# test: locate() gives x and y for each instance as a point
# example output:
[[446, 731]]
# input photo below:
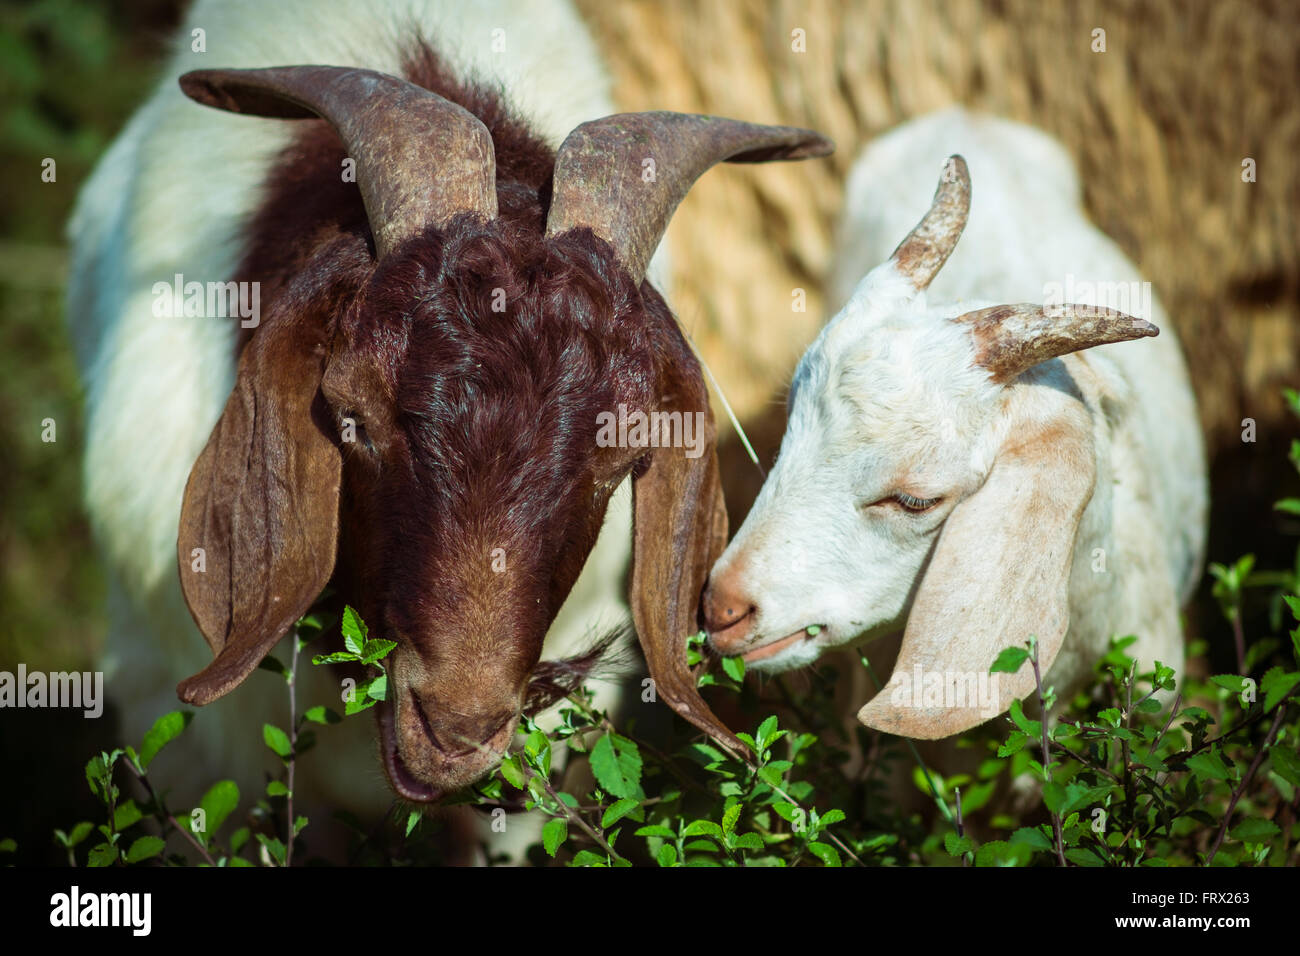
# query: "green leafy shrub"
[[1136, 771]]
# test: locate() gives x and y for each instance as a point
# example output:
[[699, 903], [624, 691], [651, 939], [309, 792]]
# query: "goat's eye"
[[353, 431], [915, 505]]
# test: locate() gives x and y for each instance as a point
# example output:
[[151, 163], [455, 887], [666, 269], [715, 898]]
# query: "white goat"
[[171, 196], [948, 469]]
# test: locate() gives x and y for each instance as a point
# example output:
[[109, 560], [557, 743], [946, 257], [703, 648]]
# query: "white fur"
[[888, 394], [171, 196]]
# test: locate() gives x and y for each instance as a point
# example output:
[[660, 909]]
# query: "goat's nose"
[[728, 612], [458, 735]]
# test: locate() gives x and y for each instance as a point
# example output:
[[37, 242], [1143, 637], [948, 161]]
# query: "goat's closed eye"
[[905, 501]]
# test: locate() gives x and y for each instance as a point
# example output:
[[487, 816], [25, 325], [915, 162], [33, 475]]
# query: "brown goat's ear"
[[679, 529], [999, 574], [262, 505]]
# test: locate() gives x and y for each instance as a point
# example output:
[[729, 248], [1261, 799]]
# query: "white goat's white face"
[[922, 478], [890, 426]]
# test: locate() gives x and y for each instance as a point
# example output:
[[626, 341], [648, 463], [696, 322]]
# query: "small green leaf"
[[354, 631], [1286, 764], [616, 764], [1208, 765], [619, 810], [1009, 661], [729, 818], [702, 828], [273, 846], [144, 848], [273, 664], [655, 830], [338, 657], [376, 650], [734, 667], [165, 729], [554, 833], [826, 853], [1254, 830], [1276, 685], [377, 689], [1032, 837], [218, 803], [513, 771], [127, 814], [277, 740], [322, 715], [103, 854], [276, 788], [667, 855], [956, 845], [1015, 743]]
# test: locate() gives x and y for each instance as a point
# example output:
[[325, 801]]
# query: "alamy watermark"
[[638, 429], [1086, 298], [72, 689], [216, 300], [977, 690]]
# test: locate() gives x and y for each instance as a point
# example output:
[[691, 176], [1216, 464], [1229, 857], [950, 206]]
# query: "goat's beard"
[[552, 681]]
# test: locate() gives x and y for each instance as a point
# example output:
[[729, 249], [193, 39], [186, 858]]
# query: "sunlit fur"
[[888, 398]]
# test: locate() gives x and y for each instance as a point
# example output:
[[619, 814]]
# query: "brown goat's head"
[[470, 370]]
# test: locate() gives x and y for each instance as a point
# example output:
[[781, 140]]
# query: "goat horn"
[[922, 254], [421, 159], [1010, 339], [623, 176]]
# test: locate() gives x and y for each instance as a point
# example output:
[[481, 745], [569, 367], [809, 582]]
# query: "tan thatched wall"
[[1159, 124]]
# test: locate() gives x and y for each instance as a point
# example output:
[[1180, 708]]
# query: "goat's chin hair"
[[606, 657]]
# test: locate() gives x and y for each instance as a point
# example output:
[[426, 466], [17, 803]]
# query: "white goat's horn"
[[421, 159], [1010, 339], [927, 247]]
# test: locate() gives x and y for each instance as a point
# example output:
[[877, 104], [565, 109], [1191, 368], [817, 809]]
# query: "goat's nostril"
[[458, 735]]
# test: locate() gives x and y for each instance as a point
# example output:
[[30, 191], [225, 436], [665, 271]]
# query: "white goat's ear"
[[999, 573]]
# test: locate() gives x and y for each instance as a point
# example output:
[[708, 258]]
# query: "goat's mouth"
[[403, 781], [771, 649]]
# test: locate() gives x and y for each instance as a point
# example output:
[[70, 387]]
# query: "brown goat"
[[469, 311]]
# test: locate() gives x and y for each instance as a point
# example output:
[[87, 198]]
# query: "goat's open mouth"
[[403, 781], [773, 648]]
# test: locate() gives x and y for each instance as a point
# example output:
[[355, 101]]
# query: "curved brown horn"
[[1010, 339], [927, 247], [421, 159], [624, 175]]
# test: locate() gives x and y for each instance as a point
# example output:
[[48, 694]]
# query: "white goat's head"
[[934, 471]]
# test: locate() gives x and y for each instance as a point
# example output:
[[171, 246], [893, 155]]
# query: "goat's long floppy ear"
[[421, 159], [262, 502], [999, 573], [679, 529], [624, 175]]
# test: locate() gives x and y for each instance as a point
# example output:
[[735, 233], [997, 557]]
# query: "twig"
[[1240, 638], [293, 745], [1047, 753], [596, 833], [1245, 780], [168, 817]]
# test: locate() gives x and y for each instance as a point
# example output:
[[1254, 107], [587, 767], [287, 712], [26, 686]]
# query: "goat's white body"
[[172, 196], [891, 398], [1027, 228]]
